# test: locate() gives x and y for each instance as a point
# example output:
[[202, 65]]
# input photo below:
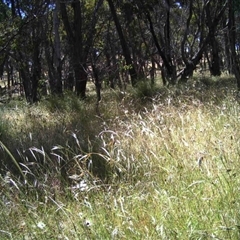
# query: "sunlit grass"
[[171, 167]]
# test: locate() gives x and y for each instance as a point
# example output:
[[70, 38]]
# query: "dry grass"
[[170, 167]]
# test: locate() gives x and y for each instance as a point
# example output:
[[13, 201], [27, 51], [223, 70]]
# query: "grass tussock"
[[162, 167]]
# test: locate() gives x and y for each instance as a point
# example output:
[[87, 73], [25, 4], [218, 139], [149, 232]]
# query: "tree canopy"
[[50, 46]]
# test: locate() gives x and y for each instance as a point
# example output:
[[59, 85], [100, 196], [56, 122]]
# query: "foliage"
[[145, 89], [56, 45]]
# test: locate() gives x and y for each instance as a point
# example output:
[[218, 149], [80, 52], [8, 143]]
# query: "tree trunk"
[[125, 49], [192, 63], [75, 41], [228, 58], [152, 71], [214, 63], [36, 66], [215, 69], [57, 85], [79, 46], [232, 41], [26, 83], [81, 79], [79, 64], [31, 71], [168, 69]]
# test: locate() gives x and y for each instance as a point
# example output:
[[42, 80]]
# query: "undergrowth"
[[161, 167]]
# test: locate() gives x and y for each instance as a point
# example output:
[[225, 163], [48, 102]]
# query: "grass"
[[165, 167]]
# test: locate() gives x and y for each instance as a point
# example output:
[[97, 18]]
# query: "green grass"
[[165, 167]]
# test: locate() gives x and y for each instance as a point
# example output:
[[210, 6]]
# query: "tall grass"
[[164, 167]]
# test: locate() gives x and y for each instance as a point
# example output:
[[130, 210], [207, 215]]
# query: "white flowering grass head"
[[88, 223], [82, 186], [41, 225]]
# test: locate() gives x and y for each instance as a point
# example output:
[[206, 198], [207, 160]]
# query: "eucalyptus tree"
[[124, 44], [233, 10], [79, 20], [25, 45], [7, 34], [138, 37], [214, 61], [200, 30], [156, 14], [41, 38], [111, 52], [53, 50], [182, 32]]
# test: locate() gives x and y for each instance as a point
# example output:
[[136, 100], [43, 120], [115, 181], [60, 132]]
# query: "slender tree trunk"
[[57, 51], [113, 68], [232, 41], [81, 79], [75, 41], [79, 47], [167, 38], [152, 71], [126, 52], [228, 59], [168, 69], [36, 74], [215, 69], [79, 64], [214, 63], [26, 83], [9, 79], [192, 63], [31, 74], [69, 81]]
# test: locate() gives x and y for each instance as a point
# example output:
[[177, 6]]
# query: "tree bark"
[[75, 41], [57, 66], [215, 69], [214, 63], [125, 49], [170, 73], [232, 41], [192, 63], [79, 48]]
